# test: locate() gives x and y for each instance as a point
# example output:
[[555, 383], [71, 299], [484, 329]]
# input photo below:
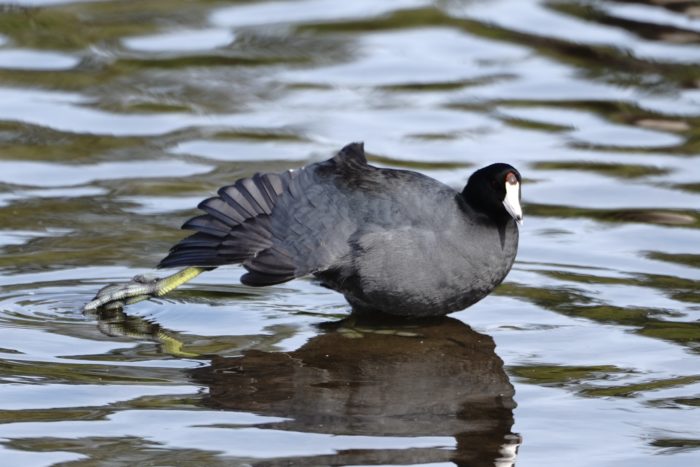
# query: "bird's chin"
[[515, 213]]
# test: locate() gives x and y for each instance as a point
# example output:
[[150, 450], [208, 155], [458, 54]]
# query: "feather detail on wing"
[[279, 226]]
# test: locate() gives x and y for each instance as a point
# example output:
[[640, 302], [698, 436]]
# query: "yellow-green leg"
[[140, 288]]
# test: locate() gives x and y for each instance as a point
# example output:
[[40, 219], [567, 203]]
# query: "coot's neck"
[[487, 207]]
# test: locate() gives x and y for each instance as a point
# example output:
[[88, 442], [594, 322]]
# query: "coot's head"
[[495, 191]]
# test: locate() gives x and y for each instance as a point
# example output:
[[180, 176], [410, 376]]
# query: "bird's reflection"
[[377, 377]]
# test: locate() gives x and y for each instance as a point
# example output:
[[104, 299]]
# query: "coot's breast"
[[429, 270]]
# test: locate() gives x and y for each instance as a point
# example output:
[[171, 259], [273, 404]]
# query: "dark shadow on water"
[[372, 376], [379, 378]]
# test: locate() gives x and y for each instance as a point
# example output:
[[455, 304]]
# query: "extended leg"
[[140, 288]]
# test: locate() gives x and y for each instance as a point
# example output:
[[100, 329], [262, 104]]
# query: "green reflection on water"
[[20, 141], [686, 259], [82, 373], [676, 444], [124, 450], [633, 389], [62, 29], [651, 322], [677, 402], [560, 375], [675, 217]]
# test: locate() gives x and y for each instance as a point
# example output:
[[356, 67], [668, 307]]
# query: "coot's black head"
[[495, 191]]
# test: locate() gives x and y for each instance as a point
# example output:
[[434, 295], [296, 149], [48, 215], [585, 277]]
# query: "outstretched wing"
[[279, 226]]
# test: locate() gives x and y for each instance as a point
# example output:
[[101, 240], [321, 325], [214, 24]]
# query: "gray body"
[[389, 240]]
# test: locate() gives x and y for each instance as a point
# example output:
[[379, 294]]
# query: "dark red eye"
[[511, 178]]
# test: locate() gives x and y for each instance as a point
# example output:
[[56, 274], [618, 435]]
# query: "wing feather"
[[279, 226]]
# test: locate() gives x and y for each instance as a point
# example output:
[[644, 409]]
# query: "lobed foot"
[[118, 295]]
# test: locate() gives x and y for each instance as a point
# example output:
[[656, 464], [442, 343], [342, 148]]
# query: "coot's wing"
[[279, 226]]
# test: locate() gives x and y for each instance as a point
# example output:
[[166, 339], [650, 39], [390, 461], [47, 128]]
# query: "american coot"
[[393, 241]]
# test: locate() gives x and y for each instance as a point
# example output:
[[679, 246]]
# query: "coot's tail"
[[236, 229]]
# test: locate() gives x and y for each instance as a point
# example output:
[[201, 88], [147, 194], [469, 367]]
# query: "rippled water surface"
[[116, 118]]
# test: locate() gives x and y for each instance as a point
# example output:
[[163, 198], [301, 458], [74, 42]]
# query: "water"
[[118, 117]]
